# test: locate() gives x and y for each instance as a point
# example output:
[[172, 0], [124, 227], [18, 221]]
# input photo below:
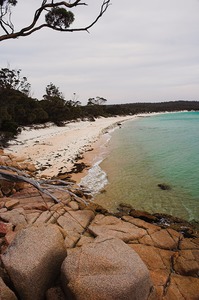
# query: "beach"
[[67, 219], [54, 150]]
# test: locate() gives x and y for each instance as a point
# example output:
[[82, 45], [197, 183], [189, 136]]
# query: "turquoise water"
[[145, 152]]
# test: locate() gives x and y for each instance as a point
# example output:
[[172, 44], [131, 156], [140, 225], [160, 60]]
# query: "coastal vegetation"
[[18, 108]]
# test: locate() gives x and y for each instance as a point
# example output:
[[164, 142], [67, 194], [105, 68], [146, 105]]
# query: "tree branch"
[[44, 7], [43, 186], [23, 178]]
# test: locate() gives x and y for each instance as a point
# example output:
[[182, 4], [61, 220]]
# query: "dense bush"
[[17, 108]]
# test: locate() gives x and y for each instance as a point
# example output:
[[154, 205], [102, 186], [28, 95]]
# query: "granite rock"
[[105, 269], [5, 292], [112, 226], [33, 260]]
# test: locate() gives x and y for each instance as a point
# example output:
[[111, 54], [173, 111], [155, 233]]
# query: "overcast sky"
[[139, 51]]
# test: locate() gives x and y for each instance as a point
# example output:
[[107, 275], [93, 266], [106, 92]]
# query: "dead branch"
[[42, 186], [21, 178]]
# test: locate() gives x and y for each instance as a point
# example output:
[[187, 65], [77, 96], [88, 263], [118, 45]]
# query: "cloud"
[[139, 51]]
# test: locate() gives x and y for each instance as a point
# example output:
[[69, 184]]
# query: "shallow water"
[[150, 150]]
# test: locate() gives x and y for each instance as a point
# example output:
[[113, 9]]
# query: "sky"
[[139, 51]]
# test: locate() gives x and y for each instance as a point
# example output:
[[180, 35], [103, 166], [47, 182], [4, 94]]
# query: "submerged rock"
[[143, 215], [164, 186]]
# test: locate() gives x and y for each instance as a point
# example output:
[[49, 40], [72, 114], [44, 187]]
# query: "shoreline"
[[149, 197], [33, 220], [55, 150], [70, 152]]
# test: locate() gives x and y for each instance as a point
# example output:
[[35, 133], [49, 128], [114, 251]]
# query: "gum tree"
[[56, 15], [12, 80]]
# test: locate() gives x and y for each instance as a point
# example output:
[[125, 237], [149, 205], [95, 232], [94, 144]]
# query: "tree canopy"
[[12, 79], [56, 15], [96, 101], [18, 108]]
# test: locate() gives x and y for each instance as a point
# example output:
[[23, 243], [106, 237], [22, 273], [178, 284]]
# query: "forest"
[[18, 108]]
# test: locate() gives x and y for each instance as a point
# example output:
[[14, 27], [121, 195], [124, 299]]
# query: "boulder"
[[124, 208], [166, 239], [15, 217], [182, 287], [5, 228], [160, 282], [187, 263], [150, 228], [105, 269], [5, 292], [112, 226], [55, 293], [143, 215], [74, 224], [33, 260], [6, 187], [74, 205], [11, 203], [149, 255], [75, 221], [83, 217], [189, 243]]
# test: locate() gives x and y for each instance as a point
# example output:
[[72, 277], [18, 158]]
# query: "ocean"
[[145, 152]]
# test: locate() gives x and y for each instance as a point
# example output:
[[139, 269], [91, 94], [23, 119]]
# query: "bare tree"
[[57, 17]]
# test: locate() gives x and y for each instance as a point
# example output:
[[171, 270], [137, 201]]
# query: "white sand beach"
[[54, 149]]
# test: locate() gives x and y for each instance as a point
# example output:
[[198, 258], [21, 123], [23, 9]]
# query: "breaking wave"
[[95, 180]]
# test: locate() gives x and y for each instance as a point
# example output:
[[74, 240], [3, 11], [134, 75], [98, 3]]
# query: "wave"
[[95, 180]]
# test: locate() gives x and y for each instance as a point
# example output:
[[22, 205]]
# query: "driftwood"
[[43, 186], [23, 178]]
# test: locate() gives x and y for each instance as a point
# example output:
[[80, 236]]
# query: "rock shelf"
[[75, 249]]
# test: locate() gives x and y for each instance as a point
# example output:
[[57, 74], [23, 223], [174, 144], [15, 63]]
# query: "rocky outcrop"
[[105, 269], [73, 224], [38, 235], [112, 226], [33, 260]]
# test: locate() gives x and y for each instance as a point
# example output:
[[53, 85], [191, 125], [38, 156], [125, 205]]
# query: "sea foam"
[[95, 180]]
